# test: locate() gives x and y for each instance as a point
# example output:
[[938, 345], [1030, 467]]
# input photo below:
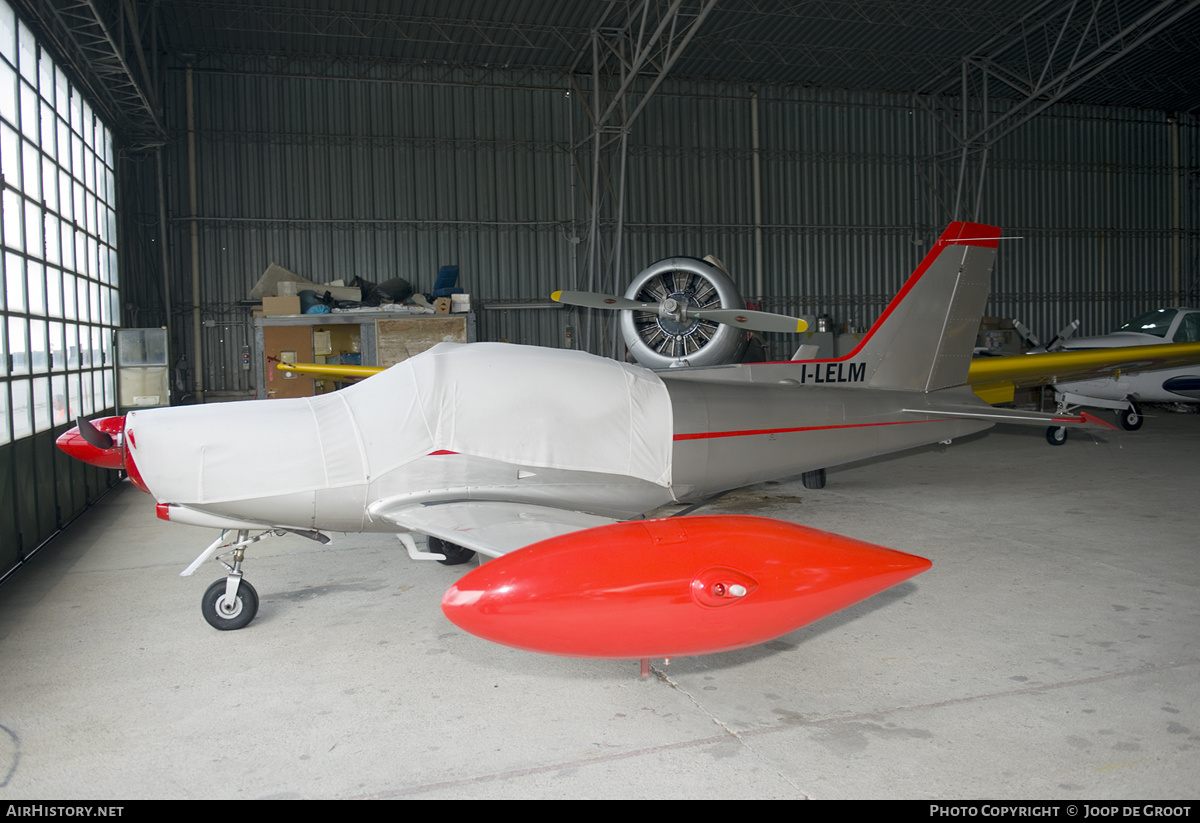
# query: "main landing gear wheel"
[[1130, 418], [455, 555], [814, 479], [228, 616], [1056, 435]]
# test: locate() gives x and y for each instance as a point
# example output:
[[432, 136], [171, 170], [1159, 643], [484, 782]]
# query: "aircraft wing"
[[490, 527], [995, 378]]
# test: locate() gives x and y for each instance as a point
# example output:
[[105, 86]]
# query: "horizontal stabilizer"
[[1017, 416]]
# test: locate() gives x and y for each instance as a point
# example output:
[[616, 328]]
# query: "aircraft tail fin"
[[924, 340]]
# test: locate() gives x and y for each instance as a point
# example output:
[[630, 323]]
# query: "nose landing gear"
[[231, 602]]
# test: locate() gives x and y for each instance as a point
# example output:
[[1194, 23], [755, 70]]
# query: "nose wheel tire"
[[228, 616], [1056, 435]]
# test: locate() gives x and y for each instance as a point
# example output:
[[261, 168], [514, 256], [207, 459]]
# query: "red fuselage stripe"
[[752, 432]]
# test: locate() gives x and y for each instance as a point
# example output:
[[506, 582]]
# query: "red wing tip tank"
[[671, 587]]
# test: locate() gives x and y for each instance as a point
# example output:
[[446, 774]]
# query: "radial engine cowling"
[[660, 342]]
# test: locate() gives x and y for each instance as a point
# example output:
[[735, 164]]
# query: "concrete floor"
[[1053, 651]]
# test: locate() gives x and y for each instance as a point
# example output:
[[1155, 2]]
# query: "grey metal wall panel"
[[337, 177]]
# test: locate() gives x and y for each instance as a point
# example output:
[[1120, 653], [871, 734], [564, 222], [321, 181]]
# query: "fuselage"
[[739, 425], [320, 463], [569, 430]]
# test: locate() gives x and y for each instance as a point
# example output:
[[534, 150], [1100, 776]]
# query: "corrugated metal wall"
[[334, 177]]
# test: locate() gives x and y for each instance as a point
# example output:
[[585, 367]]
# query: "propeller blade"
[[591, 300], [1060, 339], [93, 436], [754, 320], [742, 318], [1028, 335]]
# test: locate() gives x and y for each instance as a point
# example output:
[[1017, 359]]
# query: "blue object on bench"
[[446, 282]]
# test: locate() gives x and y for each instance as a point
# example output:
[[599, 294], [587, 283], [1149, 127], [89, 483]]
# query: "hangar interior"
[[159, 155]]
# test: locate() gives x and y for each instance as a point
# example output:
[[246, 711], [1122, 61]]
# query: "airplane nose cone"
[[97, 443]]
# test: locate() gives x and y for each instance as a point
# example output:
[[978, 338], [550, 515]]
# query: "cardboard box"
[[441, 305], [995, 323], [1028, 398], [281, 305]]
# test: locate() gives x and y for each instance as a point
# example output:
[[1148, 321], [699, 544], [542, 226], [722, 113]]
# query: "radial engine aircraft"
[[543, 458]]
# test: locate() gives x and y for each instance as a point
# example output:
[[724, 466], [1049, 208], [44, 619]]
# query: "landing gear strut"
[[1057, 435], [231, 602]]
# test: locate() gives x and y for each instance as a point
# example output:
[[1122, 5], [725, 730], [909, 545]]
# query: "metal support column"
[[629, 54], [1042, 57]]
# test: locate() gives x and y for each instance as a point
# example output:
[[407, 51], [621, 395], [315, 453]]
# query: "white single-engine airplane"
[[1152, 359], [1125, 390], [536, 457]]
